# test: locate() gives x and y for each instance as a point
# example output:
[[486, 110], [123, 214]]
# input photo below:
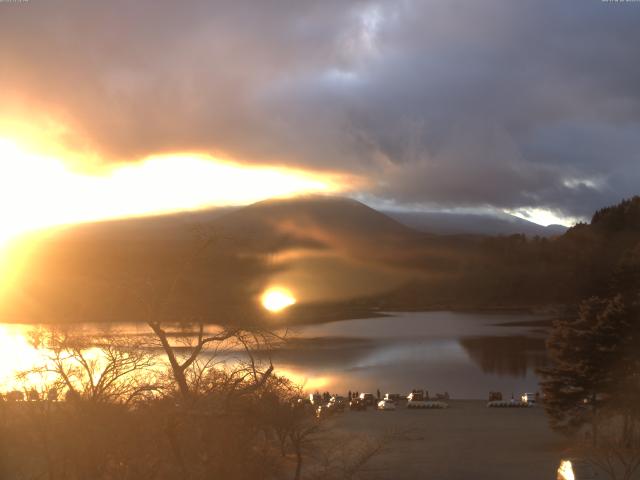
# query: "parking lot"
[[467, 441]]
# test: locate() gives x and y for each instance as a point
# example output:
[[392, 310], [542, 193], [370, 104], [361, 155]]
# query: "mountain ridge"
[[332, 250], [447, 223]]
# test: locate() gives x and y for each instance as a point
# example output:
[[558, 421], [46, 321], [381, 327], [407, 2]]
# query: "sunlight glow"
[[38, 191], [276, 299], [302, 379], [543, 217], [16, 354]]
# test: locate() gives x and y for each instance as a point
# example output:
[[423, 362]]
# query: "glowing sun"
[[276, 299]]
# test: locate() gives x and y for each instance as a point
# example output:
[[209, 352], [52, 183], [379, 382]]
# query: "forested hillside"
[[518, 271]]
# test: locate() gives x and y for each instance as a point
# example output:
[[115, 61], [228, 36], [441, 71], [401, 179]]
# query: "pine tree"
[[595, 365]]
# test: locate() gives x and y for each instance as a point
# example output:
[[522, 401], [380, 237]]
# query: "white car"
[[393, 397], [416, 399], [386, 405]]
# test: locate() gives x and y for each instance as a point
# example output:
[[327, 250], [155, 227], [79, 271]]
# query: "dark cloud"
[[456, 103]]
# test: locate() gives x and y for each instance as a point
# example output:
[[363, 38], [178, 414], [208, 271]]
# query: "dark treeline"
[[517, 271], [592, 383]]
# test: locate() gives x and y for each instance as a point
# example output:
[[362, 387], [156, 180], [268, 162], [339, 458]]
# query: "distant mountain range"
[[445, 223], [334, 210], [343, 216]]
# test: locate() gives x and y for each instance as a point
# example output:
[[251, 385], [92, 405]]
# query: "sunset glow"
[[44, 191], [543, 217], [17, 355], [277, 299]]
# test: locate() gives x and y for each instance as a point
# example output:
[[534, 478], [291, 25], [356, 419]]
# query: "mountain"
[[316, 222], [337, 255], [128, 269], [338, 214], [444, 223], [330, 248]]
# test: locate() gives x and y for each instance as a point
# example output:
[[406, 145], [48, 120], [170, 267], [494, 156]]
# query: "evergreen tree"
[[595, 365]]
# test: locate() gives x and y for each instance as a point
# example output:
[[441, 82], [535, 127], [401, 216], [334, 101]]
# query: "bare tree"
[[191, 356], [184, 354], [618, 452], [179, 366], [99, 368]]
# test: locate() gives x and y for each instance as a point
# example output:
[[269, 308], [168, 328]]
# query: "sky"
[[529, 106]]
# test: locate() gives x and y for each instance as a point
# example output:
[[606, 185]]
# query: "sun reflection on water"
[[17, 354]]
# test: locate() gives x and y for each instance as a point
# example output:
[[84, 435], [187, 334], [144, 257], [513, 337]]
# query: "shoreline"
[[286, 320]]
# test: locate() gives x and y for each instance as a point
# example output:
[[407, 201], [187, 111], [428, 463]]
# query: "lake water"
[[465, 354]]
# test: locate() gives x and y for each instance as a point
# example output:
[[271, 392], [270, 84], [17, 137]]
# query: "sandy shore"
[[467, 441]]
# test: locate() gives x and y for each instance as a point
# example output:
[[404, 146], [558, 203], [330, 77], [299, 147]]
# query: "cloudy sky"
[[512, 105]]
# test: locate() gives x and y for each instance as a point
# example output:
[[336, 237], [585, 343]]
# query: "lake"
[[464, 354]]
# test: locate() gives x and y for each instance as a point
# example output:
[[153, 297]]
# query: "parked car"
[[357, 404], [368, 398], [386, 405], [337, 403], [393, 397], [416, 395], [416, 399]]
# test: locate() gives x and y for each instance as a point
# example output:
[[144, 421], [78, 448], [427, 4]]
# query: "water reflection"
[[16, 354], [512, 355], [464, 354]]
